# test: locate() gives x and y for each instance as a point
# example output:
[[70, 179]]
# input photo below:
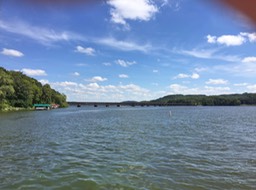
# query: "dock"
[[42, 106]]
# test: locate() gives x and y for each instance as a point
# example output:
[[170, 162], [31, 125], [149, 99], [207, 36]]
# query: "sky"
[[120, 50]]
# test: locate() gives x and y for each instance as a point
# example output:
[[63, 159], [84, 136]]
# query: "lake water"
[[129, 148]]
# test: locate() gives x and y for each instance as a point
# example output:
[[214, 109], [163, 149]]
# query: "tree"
[[46, 94], [6, 88], [19, 90]]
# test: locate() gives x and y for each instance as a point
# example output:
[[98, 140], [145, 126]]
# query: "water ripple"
[[129, 148]]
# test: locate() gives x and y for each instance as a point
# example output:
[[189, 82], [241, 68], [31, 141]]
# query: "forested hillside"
[[218, 100], [19, 90]]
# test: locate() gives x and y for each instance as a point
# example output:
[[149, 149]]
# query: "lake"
[[126, 148]]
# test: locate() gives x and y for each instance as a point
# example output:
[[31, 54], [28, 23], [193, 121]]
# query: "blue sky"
[[118, 50]]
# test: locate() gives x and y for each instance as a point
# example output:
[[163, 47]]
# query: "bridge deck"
[[118, 104]]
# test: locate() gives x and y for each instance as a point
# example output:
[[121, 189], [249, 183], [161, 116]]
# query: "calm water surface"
[[129, 148]]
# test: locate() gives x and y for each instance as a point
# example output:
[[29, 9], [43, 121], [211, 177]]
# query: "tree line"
[[215, 100], [19, 90]]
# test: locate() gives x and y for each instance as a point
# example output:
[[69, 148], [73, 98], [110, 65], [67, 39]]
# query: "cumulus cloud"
[[250, 36], [228, 40], [43, 81], [12, 52], [245, 68], [180, 89], [232, 40], [97, 79], [65, 84], [249, 60], [123, 76], [134, 89], [208, 90], [195, 76], [87, 50], [96, 92], [216, 81], [124, 63], [76, 74], [123, 10], [241, 84], [211, 39], [33, 72], [252, 88], [182, 76]]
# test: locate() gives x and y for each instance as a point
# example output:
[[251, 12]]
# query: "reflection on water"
[[129, 148]]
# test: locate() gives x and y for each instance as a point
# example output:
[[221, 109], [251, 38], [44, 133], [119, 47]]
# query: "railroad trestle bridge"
[[119, 104]]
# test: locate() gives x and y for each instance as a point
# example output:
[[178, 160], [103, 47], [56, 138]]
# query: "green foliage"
[[220, 100], [19, 90], [6, 88]]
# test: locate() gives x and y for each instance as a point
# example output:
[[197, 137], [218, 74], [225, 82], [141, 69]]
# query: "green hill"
[[19, 90], [216, 100]]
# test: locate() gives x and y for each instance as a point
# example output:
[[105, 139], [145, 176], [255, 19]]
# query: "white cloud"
[[180, 89], [76, 74], [124, 63], [106, 64], [96, 92], [65, 84], [155, 71], [122, 10], [97, 79], [42, 35], [207, 90], [241, 84], [249, 60], [245, 69], [209, 54], [211, 39], [12, 52], [216, 81], [251, 36], [252, 88], [43, 81], [202, 53], [200, 69], [182, 76], [123, 45], [232, 40], [93, 85], [33, 72], [123, 76], [87, 51], [195, 76], [134, 89], [228, 40]]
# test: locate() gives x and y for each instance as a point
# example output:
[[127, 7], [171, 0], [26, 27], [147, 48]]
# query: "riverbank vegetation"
[[203, 100], [18, 91]]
